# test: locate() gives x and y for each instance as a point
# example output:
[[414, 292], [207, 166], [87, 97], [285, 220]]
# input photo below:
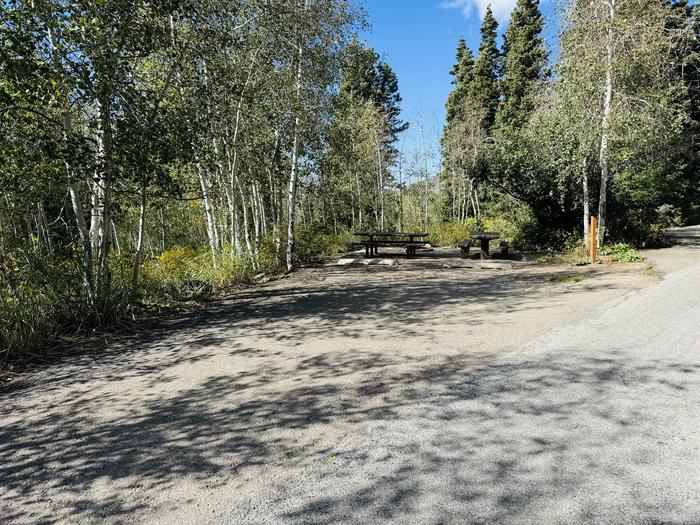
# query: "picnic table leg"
[[367, 250], [485, 249]]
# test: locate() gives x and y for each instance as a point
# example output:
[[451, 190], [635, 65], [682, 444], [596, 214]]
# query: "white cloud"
[[501, 8]]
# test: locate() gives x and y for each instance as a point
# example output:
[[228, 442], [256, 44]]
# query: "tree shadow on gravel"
[[103, 435]]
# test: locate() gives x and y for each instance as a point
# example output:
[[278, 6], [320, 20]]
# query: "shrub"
[[42, 297], [169, 276], [451, 233], [313, 245], [622, 253]]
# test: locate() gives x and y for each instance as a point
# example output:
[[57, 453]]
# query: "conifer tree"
[[462, 73], [524, 64], [368, 78], [483, 91]]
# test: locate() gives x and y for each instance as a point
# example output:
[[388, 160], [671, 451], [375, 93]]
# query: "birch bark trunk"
[[78, 212], [381, 185], [142, 230], [586, 204], [292, 187], [100, 228], [605, 127], [209, 215]]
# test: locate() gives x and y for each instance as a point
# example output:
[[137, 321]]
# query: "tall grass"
[[41, 297]]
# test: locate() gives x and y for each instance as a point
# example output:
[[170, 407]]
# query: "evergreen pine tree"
[[483, 91], [462, 73], [368, 78], [524, 64]]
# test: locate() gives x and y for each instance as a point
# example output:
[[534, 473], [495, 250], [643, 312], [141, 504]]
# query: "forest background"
[[151, 152]]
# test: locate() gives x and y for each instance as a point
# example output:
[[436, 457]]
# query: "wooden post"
[[593, 241]]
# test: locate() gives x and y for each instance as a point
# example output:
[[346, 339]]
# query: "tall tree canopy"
[[365, 76], [484, 91], [524, 61]]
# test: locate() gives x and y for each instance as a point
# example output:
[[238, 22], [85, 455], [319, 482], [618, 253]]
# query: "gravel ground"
[[397, 394]]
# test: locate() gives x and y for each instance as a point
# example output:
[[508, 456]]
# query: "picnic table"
[[373, 240], [484, 238]]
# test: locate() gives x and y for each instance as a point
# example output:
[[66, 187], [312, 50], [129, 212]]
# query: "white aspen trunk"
[[263, 214], [100, 229], [236, 229], [142, 230], [44, 223], [458, 202], [586, 204], [401, 192], [94, 216], [115, 238], [425, 163], [291, 194], [271, 174], [246, 224], [223, 180], [260, 209], [232, 158], [605, 128], [162, 231], [294, 173], [352, 207], [381, 185], [256, 215], [78, 212], [359, 199], [455, 213], [209, 215]]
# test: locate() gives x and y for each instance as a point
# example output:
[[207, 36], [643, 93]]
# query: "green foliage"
[[451, 233], [41, 297], [169, 276], [368, 78], [621, 252], [483, 91], [524, 62], [462, 73], [314, 246]]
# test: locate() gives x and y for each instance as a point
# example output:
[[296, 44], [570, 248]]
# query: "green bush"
[[313, 245], [42, 297], [230, 269], [451, 233], [622, 253], [270, 256], [164, 277]]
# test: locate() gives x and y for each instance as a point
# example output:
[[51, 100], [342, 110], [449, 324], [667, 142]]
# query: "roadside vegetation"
[[154, 152]]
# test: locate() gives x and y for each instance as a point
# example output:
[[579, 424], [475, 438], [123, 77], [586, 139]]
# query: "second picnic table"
[[376, 239], [485, 237]]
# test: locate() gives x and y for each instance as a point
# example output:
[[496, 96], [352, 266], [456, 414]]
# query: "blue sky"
[[418, 38]]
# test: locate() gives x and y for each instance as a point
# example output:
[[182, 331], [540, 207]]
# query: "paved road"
[[687, 235], [596, 422]]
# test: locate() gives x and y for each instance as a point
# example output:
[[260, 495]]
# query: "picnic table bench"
[[373, 240], [485, 238]]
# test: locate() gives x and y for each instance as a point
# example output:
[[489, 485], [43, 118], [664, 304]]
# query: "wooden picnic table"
[[376, 239], [485, 237]]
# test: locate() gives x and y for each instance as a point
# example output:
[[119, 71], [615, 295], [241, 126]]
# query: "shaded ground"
[[370, 395]]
